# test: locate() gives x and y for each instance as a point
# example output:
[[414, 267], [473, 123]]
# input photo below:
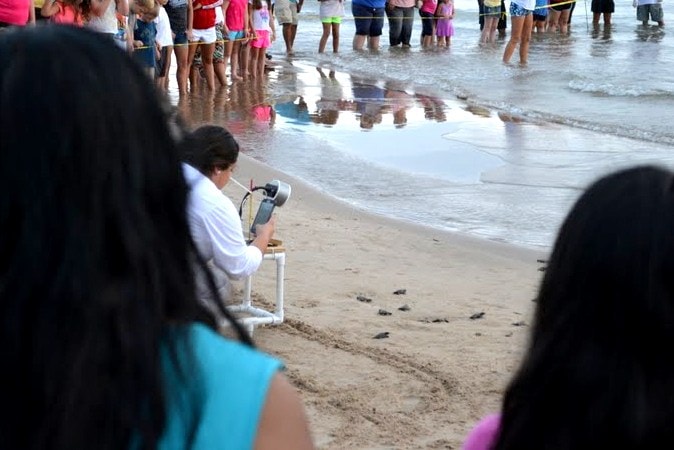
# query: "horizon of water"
[[491, 150]]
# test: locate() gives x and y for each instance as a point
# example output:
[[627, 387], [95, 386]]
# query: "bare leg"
[[193, 73], [207, 61], [293, 33], [517, 23], [358, 42], [492, 32], [526, 37], [287, 38], [335, 37], [564, 21], [486, 29], [183, 61], [324, 37], [168, 67], [244, 58], [260, 62], [253, 57], [219, 68], [232, 50], [374, 42], [554, 19]]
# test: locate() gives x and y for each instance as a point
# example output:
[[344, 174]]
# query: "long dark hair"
[[599, 370], [96, 258]]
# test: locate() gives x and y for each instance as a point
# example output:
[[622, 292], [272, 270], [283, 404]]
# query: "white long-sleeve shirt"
[[216, 227]]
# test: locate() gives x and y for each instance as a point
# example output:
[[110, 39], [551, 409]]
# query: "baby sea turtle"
[[362, 298], [400, 292], [382, 335], [405, 307], [383, 312], [477, 315]]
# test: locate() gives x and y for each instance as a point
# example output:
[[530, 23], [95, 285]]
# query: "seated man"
[[210, 153]]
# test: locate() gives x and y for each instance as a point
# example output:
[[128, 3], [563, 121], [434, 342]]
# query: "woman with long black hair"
[[104, 344]]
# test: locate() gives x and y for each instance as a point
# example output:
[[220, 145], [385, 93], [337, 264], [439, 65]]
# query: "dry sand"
[[439, 370]]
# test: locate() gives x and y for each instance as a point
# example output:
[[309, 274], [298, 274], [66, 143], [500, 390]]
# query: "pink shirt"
[[67, 14], [14, 12], [429, 6], [483, 436], [402, 3], [235, 16]]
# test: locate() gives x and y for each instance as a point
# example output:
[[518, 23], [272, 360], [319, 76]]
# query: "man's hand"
[[266, 230]]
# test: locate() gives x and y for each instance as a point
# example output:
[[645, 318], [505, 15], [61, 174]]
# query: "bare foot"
[[235, 77]]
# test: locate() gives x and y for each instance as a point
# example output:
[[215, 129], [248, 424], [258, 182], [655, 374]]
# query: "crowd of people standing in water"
[[204, 36]]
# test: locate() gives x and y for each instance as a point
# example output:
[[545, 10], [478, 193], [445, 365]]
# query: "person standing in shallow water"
[[522, 20], [444, 28], [330, 12], [427, 14], [287, 12], [602, 8], [400, 15], [652, 9], [368, 15]]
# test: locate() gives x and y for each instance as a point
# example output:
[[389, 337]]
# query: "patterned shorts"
[[517, 11], [219, 52]]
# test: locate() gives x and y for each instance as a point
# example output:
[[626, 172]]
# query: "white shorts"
[[206, 36]]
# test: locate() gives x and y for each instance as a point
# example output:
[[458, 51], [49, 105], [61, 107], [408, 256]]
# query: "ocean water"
[[453, 138]]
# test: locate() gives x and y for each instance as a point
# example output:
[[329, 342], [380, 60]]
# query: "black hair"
[[598, 370], [209, 147], [97, 263]]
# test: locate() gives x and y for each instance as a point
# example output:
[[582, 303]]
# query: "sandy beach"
[[486, 149], [438, 371]]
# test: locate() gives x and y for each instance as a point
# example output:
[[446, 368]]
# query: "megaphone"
[[276, 194]]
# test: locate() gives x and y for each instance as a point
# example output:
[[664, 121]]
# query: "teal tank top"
[[218, 400]]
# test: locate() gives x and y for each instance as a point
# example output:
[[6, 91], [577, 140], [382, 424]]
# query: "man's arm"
[[299, 5], [31, 13]]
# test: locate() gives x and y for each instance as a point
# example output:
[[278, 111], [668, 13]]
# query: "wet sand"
[[437, 370]]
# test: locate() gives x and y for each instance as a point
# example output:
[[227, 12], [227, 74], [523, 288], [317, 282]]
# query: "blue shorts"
[[369, 21], [517, 11], [492, 11], [236, 35], [181, 38]]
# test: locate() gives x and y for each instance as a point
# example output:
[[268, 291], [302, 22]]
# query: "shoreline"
[[438, 371]]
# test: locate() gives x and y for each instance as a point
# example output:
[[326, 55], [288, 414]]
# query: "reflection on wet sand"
[[241, 107], [299, 98]]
